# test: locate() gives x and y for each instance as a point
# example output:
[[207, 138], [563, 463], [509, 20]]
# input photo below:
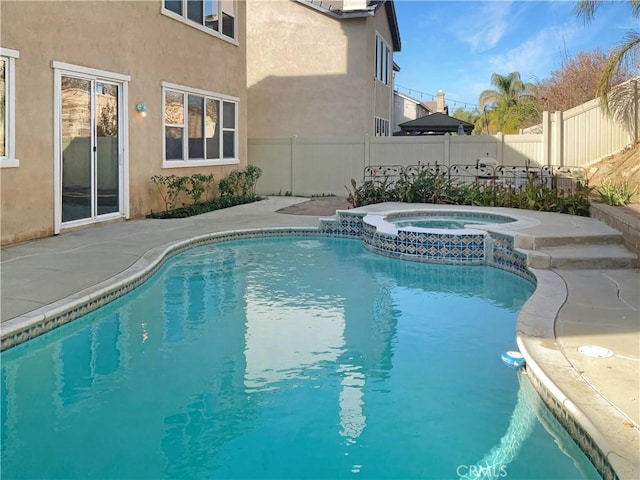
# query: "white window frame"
[[382, 61], [198, 162], [218, 34], [381, 127], [8, 56]]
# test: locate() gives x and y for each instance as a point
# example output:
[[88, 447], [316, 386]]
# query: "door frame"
[[66, 69]]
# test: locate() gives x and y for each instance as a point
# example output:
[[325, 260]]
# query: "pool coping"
[[546, 365], [531, 331]]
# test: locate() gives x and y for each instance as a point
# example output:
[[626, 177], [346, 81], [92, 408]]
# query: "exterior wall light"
[[142, 109]]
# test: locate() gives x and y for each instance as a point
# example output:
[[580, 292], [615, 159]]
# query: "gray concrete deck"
[[582, 298]]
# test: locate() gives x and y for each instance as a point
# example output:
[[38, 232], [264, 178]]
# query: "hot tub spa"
[[445, 220], [437, 236]]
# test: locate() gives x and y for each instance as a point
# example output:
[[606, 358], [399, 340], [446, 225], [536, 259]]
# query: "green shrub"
[[251, 176], [170, 187], [430, 187], [235, 189], [613, 193], [240, 183], [197, 184], [370, 192], [204, 207], [229, 185]]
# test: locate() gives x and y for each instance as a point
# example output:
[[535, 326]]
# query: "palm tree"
[[627, 51], [509, 88], [506, 100]]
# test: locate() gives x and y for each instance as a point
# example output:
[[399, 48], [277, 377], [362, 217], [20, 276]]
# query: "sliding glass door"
[[90, 142]]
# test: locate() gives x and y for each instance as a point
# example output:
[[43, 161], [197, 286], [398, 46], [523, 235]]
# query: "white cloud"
[[482, 28], [460, 44], [536, 56], [534, 59]]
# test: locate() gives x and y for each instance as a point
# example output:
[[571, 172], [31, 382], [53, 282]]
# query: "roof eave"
[[370, 11], [393, 25], [339, 14], [445, 122]]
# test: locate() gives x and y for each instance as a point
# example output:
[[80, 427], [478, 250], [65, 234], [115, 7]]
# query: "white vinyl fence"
[[325, 165], [585, 134]]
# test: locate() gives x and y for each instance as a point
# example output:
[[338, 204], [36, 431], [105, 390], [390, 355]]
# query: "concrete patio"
[[588, 295]]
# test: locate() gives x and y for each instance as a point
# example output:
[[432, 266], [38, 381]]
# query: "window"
[[200, 128], [213, 16], [383, 61], [7, 108], [381, 128]]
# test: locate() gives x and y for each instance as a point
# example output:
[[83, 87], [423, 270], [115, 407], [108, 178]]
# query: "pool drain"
[[595, 351]]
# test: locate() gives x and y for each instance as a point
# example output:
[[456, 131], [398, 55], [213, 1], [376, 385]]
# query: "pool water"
[[285, 358], [448, 221]]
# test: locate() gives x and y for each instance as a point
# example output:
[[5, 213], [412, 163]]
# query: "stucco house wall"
[[128, 38], [309, 73]]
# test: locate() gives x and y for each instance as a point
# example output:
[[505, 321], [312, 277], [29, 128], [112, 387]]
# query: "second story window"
[[217, 16], [383, 61]]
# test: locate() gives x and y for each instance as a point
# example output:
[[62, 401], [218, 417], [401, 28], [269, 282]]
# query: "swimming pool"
[[282, 357]]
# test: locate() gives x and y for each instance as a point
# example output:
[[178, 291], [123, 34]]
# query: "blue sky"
[[456, 46]]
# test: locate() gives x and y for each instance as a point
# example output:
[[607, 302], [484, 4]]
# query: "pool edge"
[[44, 319], [547, 366], [37, 322]]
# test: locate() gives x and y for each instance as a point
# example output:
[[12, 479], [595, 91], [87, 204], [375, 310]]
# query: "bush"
[[235, 189], [170, 187], [204, 207], [616, 194], [197, 185], [240, 183], [371, 191], [430, 187]]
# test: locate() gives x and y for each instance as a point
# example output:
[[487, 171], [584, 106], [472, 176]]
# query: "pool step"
[[591, 256], [588, 248], [541, 242]]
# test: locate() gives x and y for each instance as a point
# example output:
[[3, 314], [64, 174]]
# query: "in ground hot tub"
[[445, 220], [437, 236]]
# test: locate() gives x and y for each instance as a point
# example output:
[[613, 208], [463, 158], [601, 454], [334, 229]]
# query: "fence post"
[[546, 138], [499, 147], [557, 140], [294, 141], [447, 149]]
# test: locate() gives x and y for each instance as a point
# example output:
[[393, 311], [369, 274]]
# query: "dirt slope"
[[623, 166]]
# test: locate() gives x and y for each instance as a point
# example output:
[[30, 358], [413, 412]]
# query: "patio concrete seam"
[[619, 288], [562, 349], [528, 341]]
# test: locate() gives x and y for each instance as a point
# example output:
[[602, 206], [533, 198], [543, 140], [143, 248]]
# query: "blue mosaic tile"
[[581, 437]]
